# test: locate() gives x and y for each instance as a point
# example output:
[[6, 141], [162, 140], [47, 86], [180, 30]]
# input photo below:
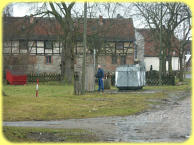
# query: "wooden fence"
[[43, 77], [152, 79], [165, 81]]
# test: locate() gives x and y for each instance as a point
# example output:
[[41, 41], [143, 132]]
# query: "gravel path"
[[170, 122]]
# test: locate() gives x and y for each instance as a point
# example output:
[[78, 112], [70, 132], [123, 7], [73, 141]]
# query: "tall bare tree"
[[177, 13], [173, 14], [183, 44], [63, 14], [109, 11], [8, 10]]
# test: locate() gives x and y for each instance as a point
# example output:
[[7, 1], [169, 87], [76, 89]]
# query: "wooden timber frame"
[[45, 51], [109, 48]]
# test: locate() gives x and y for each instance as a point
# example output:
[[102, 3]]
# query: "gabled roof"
[[110, 29], [48, 28], [151, 48], [15, 28], [149, 44]]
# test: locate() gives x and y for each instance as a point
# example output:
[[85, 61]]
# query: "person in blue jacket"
[[100, 76]]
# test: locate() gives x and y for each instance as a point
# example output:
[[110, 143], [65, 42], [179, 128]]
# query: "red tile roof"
[[110, 29], [21, 28], [152, 48], [49, 28]]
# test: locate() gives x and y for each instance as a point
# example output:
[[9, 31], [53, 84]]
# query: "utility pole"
[[94, 67], [160, 61], [184, 35], [84, 51]]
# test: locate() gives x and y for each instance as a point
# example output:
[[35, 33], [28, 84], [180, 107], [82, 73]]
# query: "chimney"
[[31, 19], [100, 20]]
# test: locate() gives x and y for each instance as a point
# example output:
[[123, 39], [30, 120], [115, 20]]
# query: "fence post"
[[37, 87], [77, 83]]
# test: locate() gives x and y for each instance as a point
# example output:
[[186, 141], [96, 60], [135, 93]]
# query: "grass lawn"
[[56, 102], [22, 134]]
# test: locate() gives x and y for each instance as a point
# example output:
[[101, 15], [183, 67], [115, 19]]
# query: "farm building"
[[148, 50], [35, 43]]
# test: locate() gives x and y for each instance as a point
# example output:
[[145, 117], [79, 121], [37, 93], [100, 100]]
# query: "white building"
[[146, 51]]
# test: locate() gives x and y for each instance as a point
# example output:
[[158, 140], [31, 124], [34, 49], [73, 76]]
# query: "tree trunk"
[[77, 83], [163, 65], [96, 66], [62, 62], [169, 65], [181, 69], [68, 73]]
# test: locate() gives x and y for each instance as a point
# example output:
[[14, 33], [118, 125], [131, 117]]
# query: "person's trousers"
[[100, 84]]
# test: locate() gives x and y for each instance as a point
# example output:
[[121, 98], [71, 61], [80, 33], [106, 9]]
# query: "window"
[[123, 60], [48, 59], [7, 44], [119, 45], [48, 44], [23, 44], [114, 59]]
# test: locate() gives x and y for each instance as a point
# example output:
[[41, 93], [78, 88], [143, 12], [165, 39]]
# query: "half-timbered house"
[[35, 43]]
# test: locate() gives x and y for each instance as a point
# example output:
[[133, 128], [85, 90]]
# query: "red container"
[[16, 78]]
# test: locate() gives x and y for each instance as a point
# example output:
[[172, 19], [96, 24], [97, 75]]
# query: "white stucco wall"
[[154, 61], [15, 48], [42, 67], [175, 63]]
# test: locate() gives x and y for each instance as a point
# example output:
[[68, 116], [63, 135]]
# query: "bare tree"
[[63, 15], [177, 13], [8, 10], [109, 12], [173, 14], [153, 18], [181, 45]]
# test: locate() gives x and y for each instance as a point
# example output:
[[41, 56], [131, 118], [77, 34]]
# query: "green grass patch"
[[57, 102], [22, 134]]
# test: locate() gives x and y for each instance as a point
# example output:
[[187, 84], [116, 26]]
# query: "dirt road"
[[168, 122]]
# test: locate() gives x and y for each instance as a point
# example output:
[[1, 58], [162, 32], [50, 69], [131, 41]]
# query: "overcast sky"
[[126, 10], [21, 9]]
